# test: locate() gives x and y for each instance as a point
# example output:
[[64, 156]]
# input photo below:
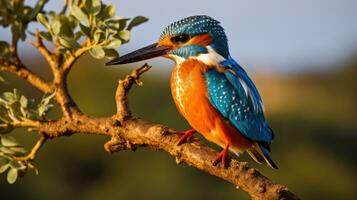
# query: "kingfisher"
[[210, 89]]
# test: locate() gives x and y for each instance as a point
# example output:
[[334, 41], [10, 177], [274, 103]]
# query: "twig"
[[123, 111], [32, 155], [67, 65], [27, 75], [44, 51], [67, 104]]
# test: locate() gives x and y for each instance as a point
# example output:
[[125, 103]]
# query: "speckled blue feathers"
[[200, 24], [234, 95]]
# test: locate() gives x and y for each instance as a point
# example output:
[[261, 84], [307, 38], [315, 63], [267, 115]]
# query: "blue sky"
[[270, 35]]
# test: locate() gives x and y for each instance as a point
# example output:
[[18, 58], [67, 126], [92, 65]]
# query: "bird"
[[210, 89]]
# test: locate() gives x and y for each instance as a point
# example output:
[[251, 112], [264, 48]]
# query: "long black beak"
[[145, 53]]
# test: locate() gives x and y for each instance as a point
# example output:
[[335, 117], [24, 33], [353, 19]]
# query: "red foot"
[[222, 157], [186, 136]]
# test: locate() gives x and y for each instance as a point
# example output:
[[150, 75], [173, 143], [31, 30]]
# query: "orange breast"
[[189, 92]]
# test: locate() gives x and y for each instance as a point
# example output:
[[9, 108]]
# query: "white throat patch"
[[178, 60], [211, 58]]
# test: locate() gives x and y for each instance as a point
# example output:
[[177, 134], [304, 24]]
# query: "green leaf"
[[46, 35], [25, 12], [66, 27], [122, 23], [73, 22], [9, 141], [23, 101], [16, 94], [62, 50], [3, 103], [137, 21], [30, 166], [69, 43], [17, 165], [110, 11], [9, 96], [51, 15], [47, 98], [43, 109], [12, 175], [107, 12], [42, 19], [18, 149], [56, 26], [111, 53], [45, 105], [97, 36], [80, 15], [39, 5], [124, 35], [18, 31], [3, 168], [4, 48], [85, 30], [97, 52], [77, 35], [6, 150], [18, 5], [4, 45], [114, 43], [113, 24], [93, 6]]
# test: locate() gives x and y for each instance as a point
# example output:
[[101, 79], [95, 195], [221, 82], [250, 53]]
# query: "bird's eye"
[[180, 39]]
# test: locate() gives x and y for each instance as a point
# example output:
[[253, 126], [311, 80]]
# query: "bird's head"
[[199, 37]]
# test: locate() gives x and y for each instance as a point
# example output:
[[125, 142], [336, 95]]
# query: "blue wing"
[[235, 96]]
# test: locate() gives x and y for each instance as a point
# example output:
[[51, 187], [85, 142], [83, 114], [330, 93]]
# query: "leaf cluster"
[[91, 21], [18, 15], [9, 150], [16, 108], [86, 25]]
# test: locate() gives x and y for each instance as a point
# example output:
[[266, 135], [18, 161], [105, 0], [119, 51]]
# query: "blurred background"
[[302, 56]]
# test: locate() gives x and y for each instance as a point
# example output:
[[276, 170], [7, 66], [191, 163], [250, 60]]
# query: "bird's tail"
[[261, 155]]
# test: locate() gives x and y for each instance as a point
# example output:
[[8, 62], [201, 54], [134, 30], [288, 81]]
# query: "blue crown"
[[200, 24]]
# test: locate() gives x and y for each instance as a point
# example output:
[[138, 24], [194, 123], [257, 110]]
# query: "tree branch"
[[67, 65], [129, 133], [32, 155], [123, 88], [26, 74], [44, 51], [60, 74]]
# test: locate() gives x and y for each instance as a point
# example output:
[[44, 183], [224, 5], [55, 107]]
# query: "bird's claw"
[[186, 136], [222, 157]]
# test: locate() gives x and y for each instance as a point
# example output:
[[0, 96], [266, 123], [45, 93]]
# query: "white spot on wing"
[[245, 86], [249, 94]]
